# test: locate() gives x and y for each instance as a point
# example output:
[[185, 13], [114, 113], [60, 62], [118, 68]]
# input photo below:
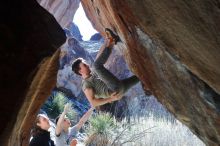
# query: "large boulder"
[[172, 46], [30, 36]]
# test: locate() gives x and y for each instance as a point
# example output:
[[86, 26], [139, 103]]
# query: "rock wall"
[[62, 10], [29, 38], [173, 48], [74, 30], [96, 37]]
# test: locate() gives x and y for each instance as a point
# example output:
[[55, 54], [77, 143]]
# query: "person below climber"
[[100, 85], [65, 134], [40, 134]]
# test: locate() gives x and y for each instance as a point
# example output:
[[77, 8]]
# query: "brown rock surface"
[[62, 10], [173, 47], [28, 34]]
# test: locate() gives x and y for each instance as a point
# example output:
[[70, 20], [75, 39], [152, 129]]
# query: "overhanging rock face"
[[30, 36], [173, 46]]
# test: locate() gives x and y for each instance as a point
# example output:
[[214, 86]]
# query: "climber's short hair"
[[75, 65]]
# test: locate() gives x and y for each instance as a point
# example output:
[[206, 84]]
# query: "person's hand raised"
[[67, 107]]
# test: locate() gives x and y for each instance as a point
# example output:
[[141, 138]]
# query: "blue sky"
[[84, 24]]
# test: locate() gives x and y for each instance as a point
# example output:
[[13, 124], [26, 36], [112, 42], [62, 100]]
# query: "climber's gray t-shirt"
[[100, 88], [64, 138]]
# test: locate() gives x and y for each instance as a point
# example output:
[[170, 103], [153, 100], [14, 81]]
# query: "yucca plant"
[[102, 123], [100, 130], [104, 130]]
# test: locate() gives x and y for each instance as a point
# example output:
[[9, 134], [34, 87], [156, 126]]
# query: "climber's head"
[[80, 67]]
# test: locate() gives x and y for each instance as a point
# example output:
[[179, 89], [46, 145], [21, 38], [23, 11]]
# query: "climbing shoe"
[[112, 36]]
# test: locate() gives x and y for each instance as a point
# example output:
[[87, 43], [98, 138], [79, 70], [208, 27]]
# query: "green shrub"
[[101, 123], [55, 105]]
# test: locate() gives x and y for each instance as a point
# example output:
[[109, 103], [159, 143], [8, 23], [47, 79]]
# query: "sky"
[[84, 24]]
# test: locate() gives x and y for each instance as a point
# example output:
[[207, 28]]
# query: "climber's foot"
[[112, 36]]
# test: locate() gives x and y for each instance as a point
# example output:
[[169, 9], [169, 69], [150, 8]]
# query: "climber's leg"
[[129, 82], [105, 75]]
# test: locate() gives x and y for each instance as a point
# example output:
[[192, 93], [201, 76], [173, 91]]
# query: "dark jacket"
[[42, 139]]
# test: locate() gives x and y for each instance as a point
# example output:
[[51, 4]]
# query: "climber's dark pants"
[[114, 84]]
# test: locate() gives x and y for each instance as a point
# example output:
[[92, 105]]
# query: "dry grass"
[[164, 133], [144, 132]]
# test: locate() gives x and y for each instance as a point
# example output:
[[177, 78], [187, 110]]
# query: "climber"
[[100, 85], [65, 134]]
